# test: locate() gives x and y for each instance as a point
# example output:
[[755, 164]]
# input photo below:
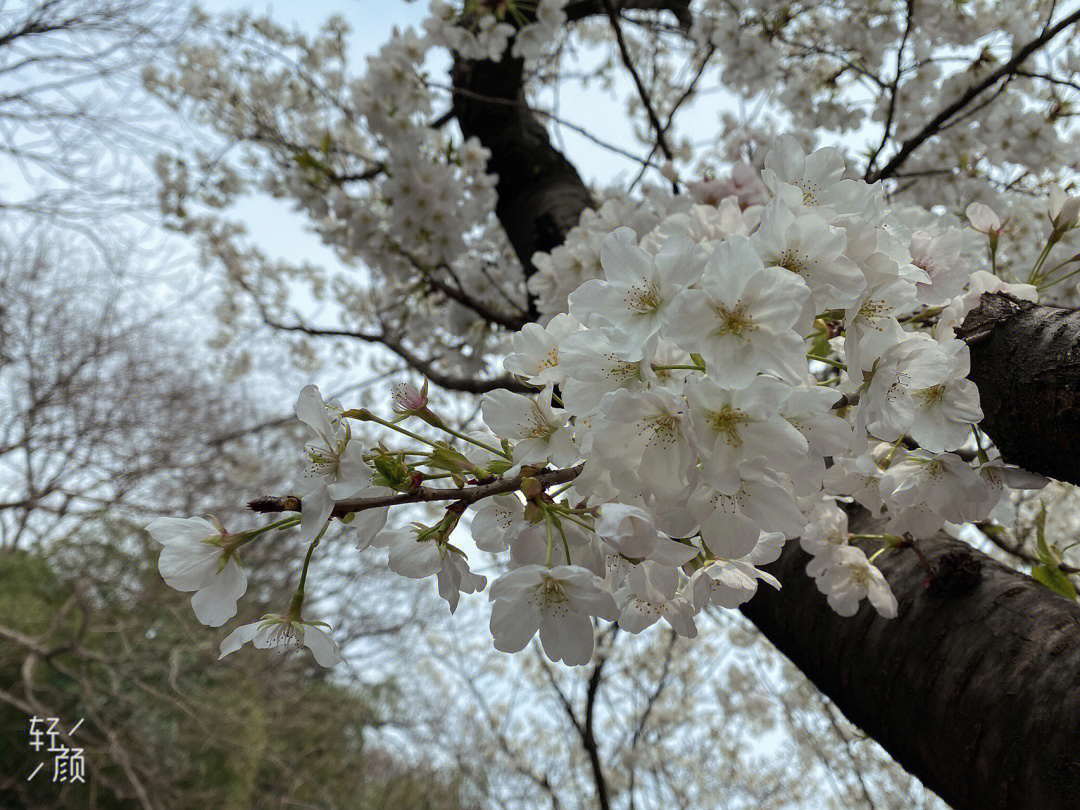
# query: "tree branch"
[[643, 93], [1025, 360], [966, 688], [938, 121], [465, 495]]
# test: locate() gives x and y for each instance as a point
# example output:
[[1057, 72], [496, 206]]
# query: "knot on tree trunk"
[[994, 309], [1025, 360]]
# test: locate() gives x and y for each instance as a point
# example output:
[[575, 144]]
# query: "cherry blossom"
[[748, 313], [199, 556], [558, 602], [283, 633], [849, 578]]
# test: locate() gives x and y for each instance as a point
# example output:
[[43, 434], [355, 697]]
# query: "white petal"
[[322, 647], [513, 625], [367, 524], [189, 567], [238, 638], [215, 604], [567, 638], [413, 559], [185, 531], [315, 509], [311, 410]]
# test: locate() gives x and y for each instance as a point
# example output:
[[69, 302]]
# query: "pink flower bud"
[[408, 399]]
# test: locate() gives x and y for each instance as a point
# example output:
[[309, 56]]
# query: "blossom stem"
[[890, 538], [557, 492], [928, 312], [1034, 277], [885, 462], [1043, 284], [658, 367], [579, 522], [285, 523], [299, 596], [983, 458], [476, 442], [827, 361], [364, 415], [550, 540], [565, 544]]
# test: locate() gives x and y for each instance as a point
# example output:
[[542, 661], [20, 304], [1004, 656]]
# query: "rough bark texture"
[[541, 195], [971, 687], [1025, 359]]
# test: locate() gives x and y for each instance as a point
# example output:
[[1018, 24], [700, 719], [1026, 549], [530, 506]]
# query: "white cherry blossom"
[[194, 558], [741, 317], [650, 591], [558, 602], [924, 491], [733, 426], [945, 412], [536, 351], [630, 302], [336, 468], [814, 181], [538, 430], [282, 633], [849, 578], [807, 246]]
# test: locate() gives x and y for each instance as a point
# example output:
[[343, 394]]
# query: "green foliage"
[[98, 636], [1048, 571]]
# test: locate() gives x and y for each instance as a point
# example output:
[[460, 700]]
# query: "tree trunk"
[[971, 687], [1025, 359]]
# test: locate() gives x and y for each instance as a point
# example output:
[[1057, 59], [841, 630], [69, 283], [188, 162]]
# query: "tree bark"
[[541, 195], [971, 687], [1025, 359]]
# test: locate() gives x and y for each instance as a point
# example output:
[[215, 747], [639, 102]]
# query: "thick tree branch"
[[970, 688], [541, 194], [1025, 359]]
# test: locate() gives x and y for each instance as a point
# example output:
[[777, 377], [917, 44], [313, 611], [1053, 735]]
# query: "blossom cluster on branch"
[[738, 372]]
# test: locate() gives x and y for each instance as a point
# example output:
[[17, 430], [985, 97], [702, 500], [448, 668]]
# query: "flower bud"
[[1063, 209], [984, 219]]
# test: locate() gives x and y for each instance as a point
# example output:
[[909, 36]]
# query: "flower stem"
[[565, 544], [550, 540], [364, 415], [827, 361], [476, 442], [284, 523], [298, 597]]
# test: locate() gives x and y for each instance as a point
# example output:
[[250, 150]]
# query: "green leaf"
[[1054, 579]]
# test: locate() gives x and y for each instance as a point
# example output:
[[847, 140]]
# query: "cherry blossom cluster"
[[484, 30], [739, 372]]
